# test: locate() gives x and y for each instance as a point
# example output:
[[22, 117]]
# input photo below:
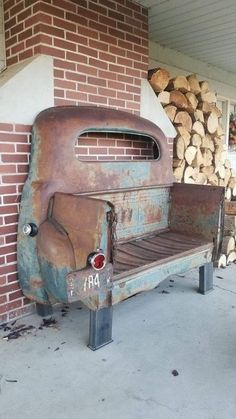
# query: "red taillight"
[[97, 260]]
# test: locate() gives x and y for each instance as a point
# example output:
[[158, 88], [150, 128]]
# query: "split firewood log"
[[220, 169], [222, 261], [213, 180], [198, 160], [179, 171], [184, 119], [170, 112], [207, 142], [189, 173], [209, 97], [190, 154], [177, 162], [198, 115], [180, 148], [193, 102], [212, 123], [204, 85], [228, 193], [196, 140], [179, 83], [231, 257], [184, 134], [220, 131], [158, 78], [164, 97], [178, 99], [200, 178], [194, 84], [198, 128], [228, 244], [229, 225], [228, 164], [227, 177], [208, 170]]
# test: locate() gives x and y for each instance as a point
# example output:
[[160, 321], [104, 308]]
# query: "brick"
[[64, 64], [76, 77], [11, 278], [11, 199], [14, 158], [124, 143], [8, 209], [116, 103], [52, 51], [14, 179], [17, 29], [8, 269], [81, 150], [64, 102], [78, 39], [12, 60], [102, 46], [65, 84], [124, 95], [116, 151], [26, 54], [23, 148], [10, 23], [98, 64], [107, 21], [25, 34], [64, 44], [60, 74], [3, 299], [11, 41], [117, 51], [111, 40], [89, 33], [23, 128], [64, 24], [50, 30], [87, 13], [88, 89], [9, 189], [125, 10], [88, 70], [107, 92], [11, 239], [108, 3], [77, 18], [98, 9], [116, 15], [97, 81], [15, 295], [23, 168], [65, 5], [7, 148], [80, 96], [79, 58], [7, 168], [97, 150], [98, 99], [11, 219], [116, 85], [54, 11], [59, 93], [116, 33], [116, 68], [107, 57], [125, 44], [8, 229], [6, 127], [23, 15], [107, 142]]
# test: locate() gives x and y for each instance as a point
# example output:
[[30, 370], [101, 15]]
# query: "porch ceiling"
[[202, 29]]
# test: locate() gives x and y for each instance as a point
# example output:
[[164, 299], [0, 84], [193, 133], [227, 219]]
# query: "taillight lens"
[[97, 260]]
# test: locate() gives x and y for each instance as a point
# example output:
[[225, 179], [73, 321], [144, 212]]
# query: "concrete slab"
[[57, 376]]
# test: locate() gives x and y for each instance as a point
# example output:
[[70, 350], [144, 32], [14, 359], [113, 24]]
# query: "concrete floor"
[[58, 377]]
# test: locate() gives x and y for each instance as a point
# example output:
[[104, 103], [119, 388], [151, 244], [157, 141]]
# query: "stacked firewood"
[[200, 154]]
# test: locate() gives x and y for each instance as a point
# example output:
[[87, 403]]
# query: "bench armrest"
[[198, 210]]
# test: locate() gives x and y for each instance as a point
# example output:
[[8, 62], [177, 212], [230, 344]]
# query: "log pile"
[[200, 154]]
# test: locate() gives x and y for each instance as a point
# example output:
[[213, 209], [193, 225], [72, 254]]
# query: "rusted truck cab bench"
[[101, 232]]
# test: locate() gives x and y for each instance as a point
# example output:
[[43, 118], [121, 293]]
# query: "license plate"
[[88, 282]]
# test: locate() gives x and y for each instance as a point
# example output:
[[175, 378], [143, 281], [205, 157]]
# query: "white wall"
[[26, 89]]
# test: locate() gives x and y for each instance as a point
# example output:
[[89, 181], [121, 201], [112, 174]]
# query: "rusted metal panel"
[[197, 210], [88, 282], [140, 212]]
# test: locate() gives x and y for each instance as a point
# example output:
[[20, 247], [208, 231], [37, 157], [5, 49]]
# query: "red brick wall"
[[100, 51], [14, 149]]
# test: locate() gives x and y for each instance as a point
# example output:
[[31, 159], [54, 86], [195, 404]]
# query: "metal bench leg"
[[44, 310], [100, 328], [206, 278]]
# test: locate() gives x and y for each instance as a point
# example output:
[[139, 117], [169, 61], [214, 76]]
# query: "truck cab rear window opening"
[[116, 146]]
